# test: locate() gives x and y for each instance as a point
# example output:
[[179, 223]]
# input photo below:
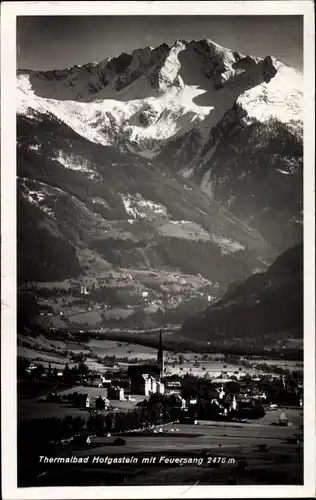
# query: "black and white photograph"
[[159, 201]]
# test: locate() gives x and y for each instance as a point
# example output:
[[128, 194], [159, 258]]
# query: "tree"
[[233, 387], [22, 366], [74, 371], [100, 403], [208, 393], [66, 373], [97, 424], [82, 368], [110, 421], [39, 371]]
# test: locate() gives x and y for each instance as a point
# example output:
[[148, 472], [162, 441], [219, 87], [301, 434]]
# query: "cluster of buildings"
[[146, 384], [147, 379], [223, 402], [143, 380]]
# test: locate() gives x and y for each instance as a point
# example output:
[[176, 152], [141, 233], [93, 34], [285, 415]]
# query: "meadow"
[[232, 443]]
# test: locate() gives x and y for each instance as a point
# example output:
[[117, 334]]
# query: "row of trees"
[[77, 399], [42, 432], [157, 410], [70, 374]]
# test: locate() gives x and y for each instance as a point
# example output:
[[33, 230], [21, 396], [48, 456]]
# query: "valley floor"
[[232, 443]]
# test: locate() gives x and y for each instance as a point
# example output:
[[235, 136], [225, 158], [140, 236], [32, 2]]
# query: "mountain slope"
[[265, 307], [177, 169], [90, 195], [226, 121]]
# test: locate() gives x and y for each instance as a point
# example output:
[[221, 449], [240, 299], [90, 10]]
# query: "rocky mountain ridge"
[[198, 81]]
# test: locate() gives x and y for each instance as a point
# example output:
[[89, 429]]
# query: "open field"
[[281, 464], [284, 363], [198, 365], [32, 403], [28, 346], [119, 349], [90, 318], [58, 352], [242, 436]]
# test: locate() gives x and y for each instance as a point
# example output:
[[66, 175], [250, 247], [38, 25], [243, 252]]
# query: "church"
[[155, 370]]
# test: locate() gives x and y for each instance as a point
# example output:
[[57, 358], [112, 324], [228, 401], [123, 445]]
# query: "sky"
[[56, 42]]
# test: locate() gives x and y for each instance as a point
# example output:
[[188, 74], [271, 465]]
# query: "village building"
[[220, 381], [233, 405], [116, 392], [283, 420], [160, 387], [106, 382], [102, 403], [96, 380], [142, 384], [174, 386], [221, 392], [259, 395], [145, 384]]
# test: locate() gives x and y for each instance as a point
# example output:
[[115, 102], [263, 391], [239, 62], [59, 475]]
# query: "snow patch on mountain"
[[181, 222], [106, 121], [281, 98], [47, 198], [100, 201], [184, 229], [34, 147], [187, 172], [73, 162], [206, 183], [140, 208], [228, 245], [39, 198], [284, 172]]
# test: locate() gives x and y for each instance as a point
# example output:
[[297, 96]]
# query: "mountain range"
[[160, 176]]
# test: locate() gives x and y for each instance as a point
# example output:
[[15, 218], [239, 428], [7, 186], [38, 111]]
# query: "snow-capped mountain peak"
[[145, 100]]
